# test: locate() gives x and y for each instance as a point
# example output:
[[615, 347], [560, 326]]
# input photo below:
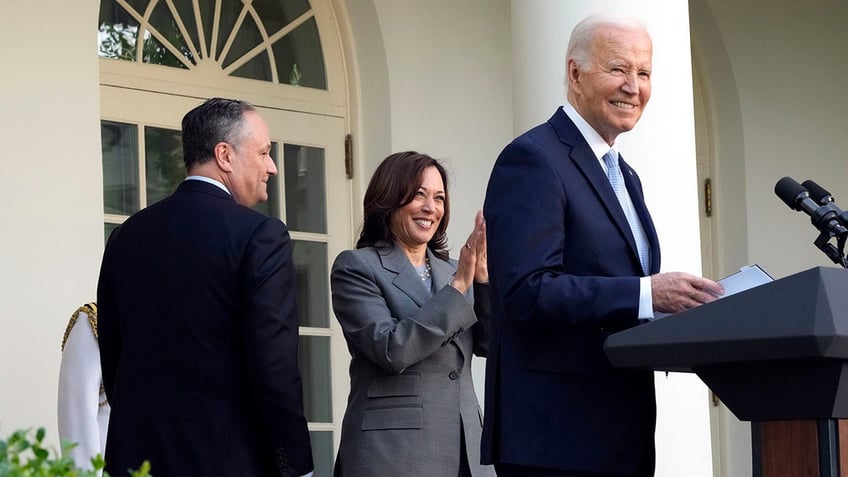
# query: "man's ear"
[[572, 70], [224, 156]]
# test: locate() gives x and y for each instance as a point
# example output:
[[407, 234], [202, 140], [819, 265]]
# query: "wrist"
[[460, 286]]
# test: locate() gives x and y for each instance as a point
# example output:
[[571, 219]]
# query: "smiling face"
[[414, 224], [612, 89], [251, 161]]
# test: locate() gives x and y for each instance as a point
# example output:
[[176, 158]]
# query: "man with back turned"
[[573, 257], [198, 323]]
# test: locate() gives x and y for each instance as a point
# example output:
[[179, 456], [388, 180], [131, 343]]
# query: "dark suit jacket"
[[565, 274], [198, 341], [412, 405]]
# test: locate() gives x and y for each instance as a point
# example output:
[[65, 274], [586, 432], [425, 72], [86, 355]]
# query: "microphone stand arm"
[[835, 253]]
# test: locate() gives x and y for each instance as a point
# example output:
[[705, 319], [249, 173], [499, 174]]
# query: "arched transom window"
[[265, 40]]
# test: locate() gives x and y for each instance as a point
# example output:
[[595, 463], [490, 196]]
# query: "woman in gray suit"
[[411, 324]]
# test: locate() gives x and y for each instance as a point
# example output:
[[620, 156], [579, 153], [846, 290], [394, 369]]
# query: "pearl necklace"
[[425, 275]]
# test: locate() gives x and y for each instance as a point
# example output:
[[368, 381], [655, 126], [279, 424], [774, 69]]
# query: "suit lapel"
[[583, 157], [406, 278]]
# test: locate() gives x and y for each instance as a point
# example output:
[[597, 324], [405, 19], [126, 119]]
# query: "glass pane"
[[248, 36], [276, 14], [163, 21], [107, 231], [227, 20], [185, 10], [207, 11], [119, 145], [322, 451], [117, 32], [313, 358], [163, 160], [139, 5], [306, 201], [258, 68], [299, 57], [272, 205], [156, 54], [310, 276]]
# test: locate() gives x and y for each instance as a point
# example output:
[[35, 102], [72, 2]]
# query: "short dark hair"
[[392, 186], [216, 120]]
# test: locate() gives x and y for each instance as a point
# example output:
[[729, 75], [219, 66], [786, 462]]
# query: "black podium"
[[776, 355]]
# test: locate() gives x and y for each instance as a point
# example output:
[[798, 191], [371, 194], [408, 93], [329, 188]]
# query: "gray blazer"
[[411, 400]]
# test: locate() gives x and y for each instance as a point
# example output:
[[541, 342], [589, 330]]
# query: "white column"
[[661, 148]]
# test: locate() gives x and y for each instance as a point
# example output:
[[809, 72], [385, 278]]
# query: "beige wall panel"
[[51, 193]]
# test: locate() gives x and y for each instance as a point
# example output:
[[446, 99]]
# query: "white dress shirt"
[[599, 148]]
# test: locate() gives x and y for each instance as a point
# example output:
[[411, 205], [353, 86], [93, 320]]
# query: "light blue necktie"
[[616, 180]]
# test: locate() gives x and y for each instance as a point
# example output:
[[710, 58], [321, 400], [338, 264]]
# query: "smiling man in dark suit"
[[573, 256], [198, 323]]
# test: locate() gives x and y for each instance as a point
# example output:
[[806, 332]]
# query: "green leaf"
[[22, 455], [67, 445], [40, 454], [143, 471], [97, 462]]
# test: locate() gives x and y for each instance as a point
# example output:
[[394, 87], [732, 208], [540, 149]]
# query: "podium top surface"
[[800, 317]]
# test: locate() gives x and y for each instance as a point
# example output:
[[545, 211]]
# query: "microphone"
[[824, 217], [824, 197], [818, 193]]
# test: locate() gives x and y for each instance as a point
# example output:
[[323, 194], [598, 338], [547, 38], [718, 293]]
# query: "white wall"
[[786, 62], [661, 148], [724, 139], [51, 190], [450, 90], [369, 112]]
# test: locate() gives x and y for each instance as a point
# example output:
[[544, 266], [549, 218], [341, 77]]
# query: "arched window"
[[262, 40], [160, 58]]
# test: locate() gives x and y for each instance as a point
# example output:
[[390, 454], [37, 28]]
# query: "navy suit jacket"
[[198, 341], [565, 274]]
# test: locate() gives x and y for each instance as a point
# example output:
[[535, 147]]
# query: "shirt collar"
[[209, 180], [595, 141]]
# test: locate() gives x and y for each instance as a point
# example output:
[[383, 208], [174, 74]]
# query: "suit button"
[[453, 375]]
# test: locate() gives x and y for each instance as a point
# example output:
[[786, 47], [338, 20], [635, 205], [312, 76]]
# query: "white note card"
[[747, 277]]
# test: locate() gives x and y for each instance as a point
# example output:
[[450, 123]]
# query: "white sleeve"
[[646, 300], [79, 393]]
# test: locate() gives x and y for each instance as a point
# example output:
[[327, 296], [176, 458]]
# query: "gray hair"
[[583, 35]]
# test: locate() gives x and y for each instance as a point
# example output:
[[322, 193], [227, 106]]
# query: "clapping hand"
[[472, 265]]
